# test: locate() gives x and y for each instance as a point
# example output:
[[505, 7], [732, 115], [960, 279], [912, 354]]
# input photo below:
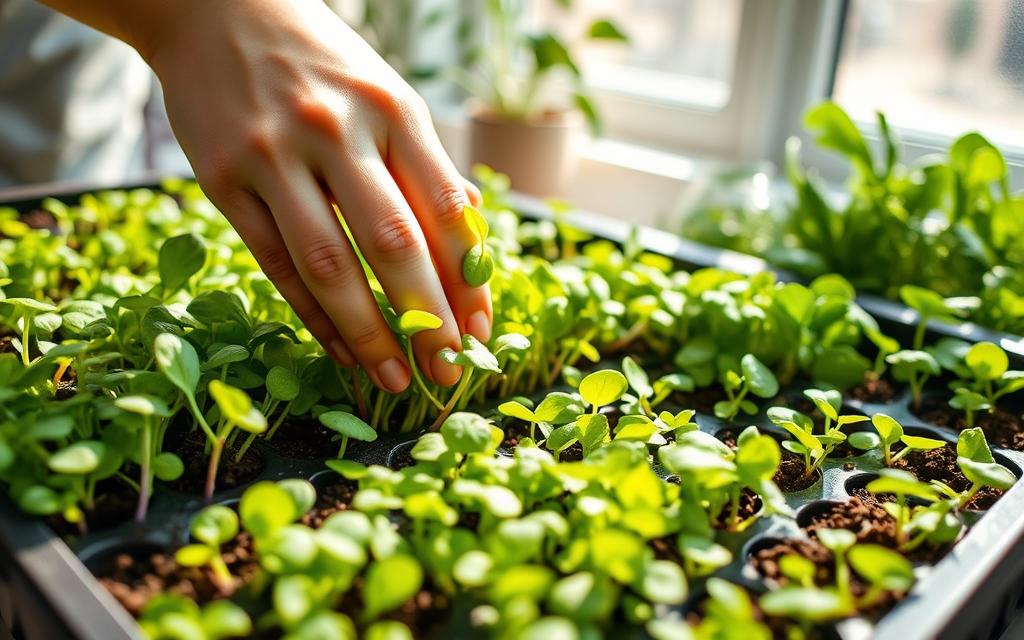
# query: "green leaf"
[[302, 492], [606, 30], [836, 540], [236, 407], [39, 500], [603, 387], [282, 384], [883, 568], [836, 131], [663, 582], [78, 458], [413, 321], [266, 507], [864, 440], [889, 430], [225, 619], [476, 222], [178, 361], [25, 306], [477, 266], [465, 432], [922, 444], [972, 445], [168, 466], [811, 604], [473, 354], [827, 402], [987, 361], [549, 52], [348, 424], [228, 354], [180, 258], [143, 405], [515, 409], [194, 555], [388, 630], [390, 582], [593, 430], [757, 458], [927, 303], [637, 378], [760, 378], [214, 525], [902, 483]]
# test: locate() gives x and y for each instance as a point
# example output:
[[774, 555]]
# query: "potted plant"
[[528, 105]]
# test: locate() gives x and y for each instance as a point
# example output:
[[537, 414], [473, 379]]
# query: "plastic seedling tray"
[[47, 590]]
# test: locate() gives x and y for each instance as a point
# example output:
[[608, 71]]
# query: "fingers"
[[390, 238], [437, 193], [328, 265], [254, 223]]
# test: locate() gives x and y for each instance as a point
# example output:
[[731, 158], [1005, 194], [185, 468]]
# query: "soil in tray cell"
[[134, 578], [869, 522], [875, 390], [766, 562], [516, 430], [1001, 427], [191, 448], [330, 499], [940, 464], [304, 439], [750, 504], [790, 477]]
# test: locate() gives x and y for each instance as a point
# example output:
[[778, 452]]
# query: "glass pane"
[[936, 66], [680, 51]]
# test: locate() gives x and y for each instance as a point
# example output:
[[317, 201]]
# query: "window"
[[680, 51], [936, 68]]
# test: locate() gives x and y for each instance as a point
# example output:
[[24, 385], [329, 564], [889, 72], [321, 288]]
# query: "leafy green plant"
[[984, 378], [754, 377], [914, 367], [510, 69], [172, 617], [889, 432], [24, 313], [348, 426], [211, 527], [975, 460], [153, 460], [815, 448]]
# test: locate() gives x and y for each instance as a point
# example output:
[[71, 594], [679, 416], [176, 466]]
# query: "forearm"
[[140, 23]]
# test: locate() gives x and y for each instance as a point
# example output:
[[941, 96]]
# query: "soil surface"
[[515, 431], [330, 499], [1001, 427], [750, 504], [766, 562], [790, 476], [304, 439], [402, 459], [190, 447], [870, 523], [875, 390], [133, 579], [703, 400]]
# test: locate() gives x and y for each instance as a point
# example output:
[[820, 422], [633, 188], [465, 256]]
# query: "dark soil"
[[515, 431], [134, 579], [790, 476], [750, 504], [870, 523], [330, 500], [6, 344], [940, 464], [190, 447], [766, 561], [67, 386], [304, 439], [880, 390], [402, 458], [116, 501], [39, 219], [573, 454], [1001, 427], [703, 400]]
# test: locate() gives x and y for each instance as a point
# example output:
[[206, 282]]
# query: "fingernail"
[[393, 375], [443, 373], [480, 326]]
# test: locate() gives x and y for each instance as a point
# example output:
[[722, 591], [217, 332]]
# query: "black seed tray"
[[47, 591]]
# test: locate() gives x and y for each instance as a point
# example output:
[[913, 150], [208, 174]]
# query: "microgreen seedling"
[[151, 411], [478, 265], [473, 356], [236, 410], [889, 432], [212, 527], [914, 367], [409, 324], [25, 310], [976, 462], [348, 426], [984, 378], [754, 377]]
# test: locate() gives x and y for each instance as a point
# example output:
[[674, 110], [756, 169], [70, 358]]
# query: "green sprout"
[[985, 377], [754, 378], [165, 465], [975, 460], [25, 311], [889, 432], [348, 426], [212, 527]]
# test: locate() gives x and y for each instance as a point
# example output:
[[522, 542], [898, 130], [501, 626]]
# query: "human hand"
[[283, 110]]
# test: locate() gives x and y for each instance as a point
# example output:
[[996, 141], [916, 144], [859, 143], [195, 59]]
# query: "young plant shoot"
[[212, 527], [754, 377], [889, 432]]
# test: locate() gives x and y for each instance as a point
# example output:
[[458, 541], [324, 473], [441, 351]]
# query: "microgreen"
[[347, 426], [478, 265], [914, 367], [984, 377], [24, 311], [889, 432], [753, 377], [211, 527], [979, 466]]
